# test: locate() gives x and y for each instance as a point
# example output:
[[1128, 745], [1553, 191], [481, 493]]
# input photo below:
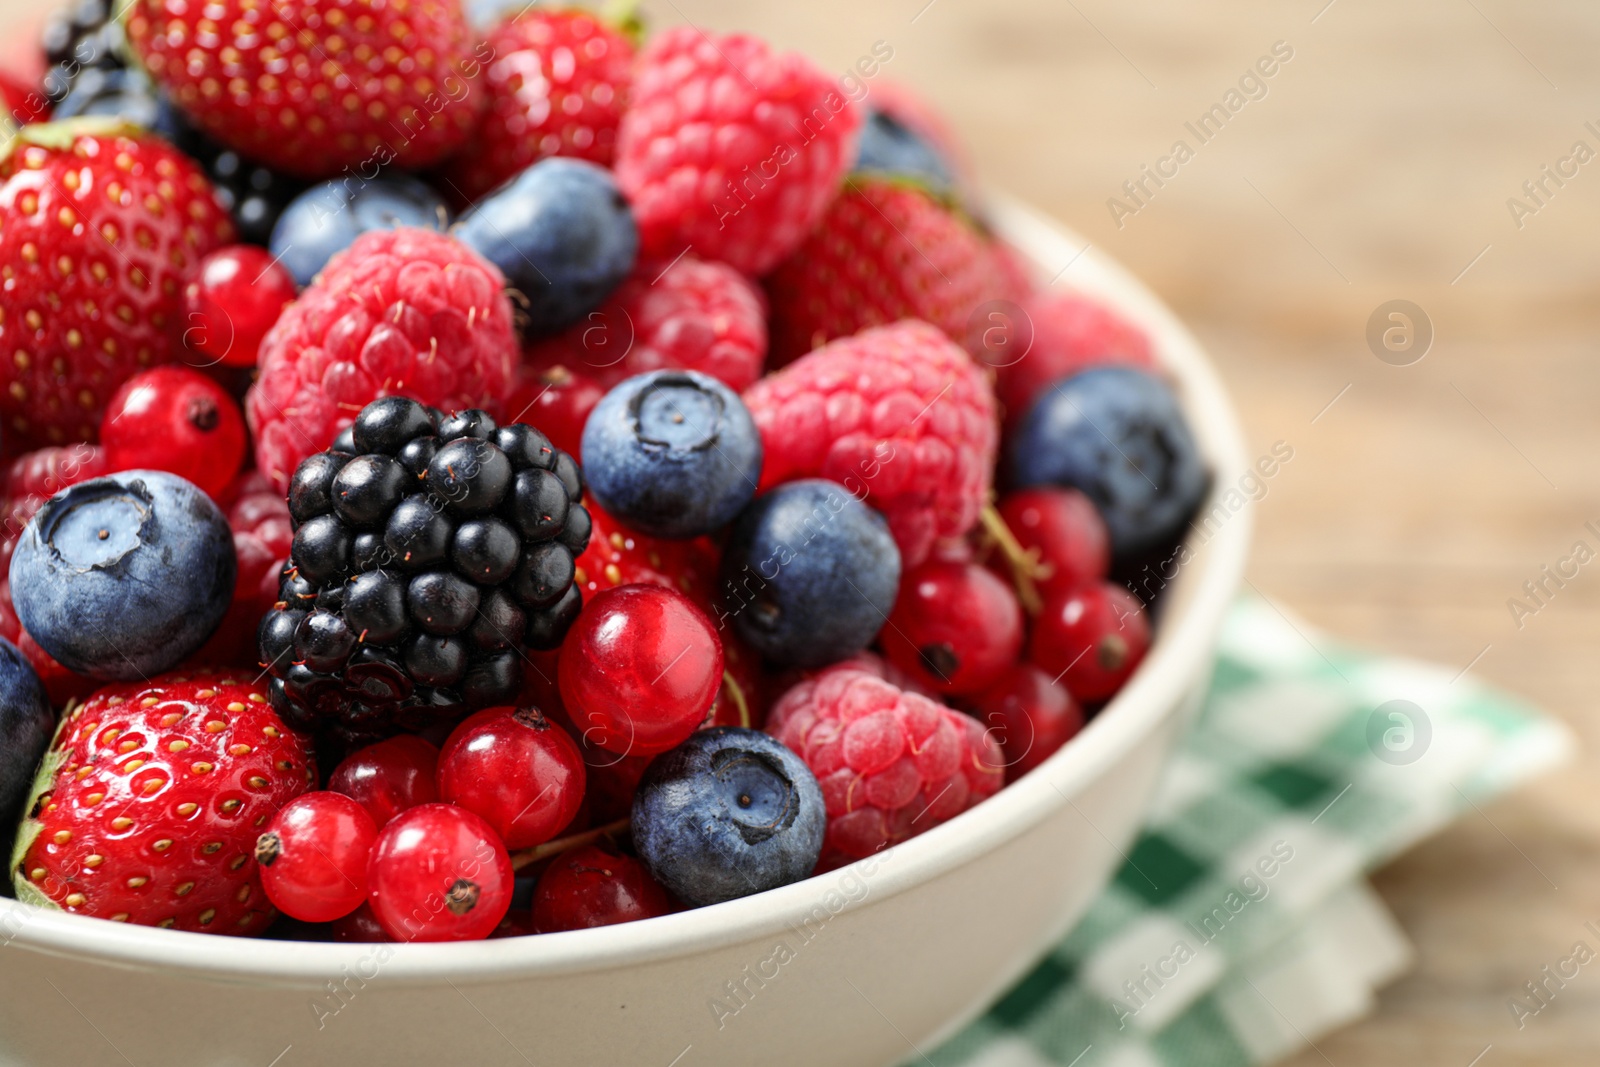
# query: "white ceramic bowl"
[[864, 966]]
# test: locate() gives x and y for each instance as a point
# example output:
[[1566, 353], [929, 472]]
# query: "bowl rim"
[[1178, 661]]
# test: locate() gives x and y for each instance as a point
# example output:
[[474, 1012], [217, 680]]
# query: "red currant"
[[438, 873], [518, 770], [389, 777], [955, 627], [178, 420], [230, 302], [1030, 715], [558, 401], [360, 925], [1068, 532], [1091, 639], [594, 886], [313, 856], [639, 669]]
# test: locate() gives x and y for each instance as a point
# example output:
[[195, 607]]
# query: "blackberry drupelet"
[[430, 552], [84, 37]]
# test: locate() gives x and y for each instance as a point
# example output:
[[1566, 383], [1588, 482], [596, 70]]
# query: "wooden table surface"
[[1377, 166]]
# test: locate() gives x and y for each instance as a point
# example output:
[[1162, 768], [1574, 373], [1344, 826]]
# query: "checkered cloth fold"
[[1241, 927]]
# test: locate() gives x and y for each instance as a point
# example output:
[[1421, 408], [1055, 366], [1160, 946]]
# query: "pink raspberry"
[[731, 149], [1070, 332], [404, 312], [891, 763], [696, 315], [898, 415]]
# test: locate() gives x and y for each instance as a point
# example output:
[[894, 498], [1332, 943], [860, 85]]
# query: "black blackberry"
[[430, 553], [84, 37], [256, 195]]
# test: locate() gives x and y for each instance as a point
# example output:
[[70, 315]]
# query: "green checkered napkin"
[[1241, 927]]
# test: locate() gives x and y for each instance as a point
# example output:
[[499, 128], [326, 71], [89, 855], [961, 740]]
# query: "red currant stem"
[[530, 856], [738, 699], [1022, 562]]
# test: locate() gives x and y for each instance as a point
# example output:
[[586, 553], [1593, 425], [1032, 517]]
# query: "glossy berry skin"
[[809, 606], [955, 627], [403, 94], [389, 777], [891, 763], [1118, 435], [438, 873], [1067, 534], [151, 800], [96, 298], [1091, 638], [728, 813], [639, 669], [313, 857], [327, 218], [518, 770], [230, 302], [558, 400], [421, 570], [1029, 714], [691, 314], [707, 112], [26, 723], [672, 454], [562, 233], [557, 86], [92, 577], [899, 415], [594, 886], [404, 312], [177, 420]]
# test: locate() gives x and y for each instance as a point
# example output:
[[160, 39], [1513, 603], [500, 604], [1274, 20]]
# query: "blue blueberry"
[[672, 453], [123, 577], [888, 146], [809, 574], [1118, 435], [26, 724], [561, 232], [728, 813], [327, 218]]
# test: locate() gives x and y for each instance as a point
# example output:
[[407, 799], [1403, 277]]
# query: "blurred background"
[[1377, 166], [1384, 159]]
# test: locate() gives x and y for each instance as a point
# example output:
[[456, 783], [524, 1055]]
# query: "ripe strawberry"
[[557, 86], [313, 87], [1059, 334], [886, 250], [403, 312], [898, 415], [99, 223], [687, 315], [618, 556], [149, 802], [731, 149]]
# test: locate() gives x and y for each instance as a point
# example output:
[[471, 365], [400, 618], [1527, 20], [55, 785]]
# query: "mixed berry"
[[593, 489]]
